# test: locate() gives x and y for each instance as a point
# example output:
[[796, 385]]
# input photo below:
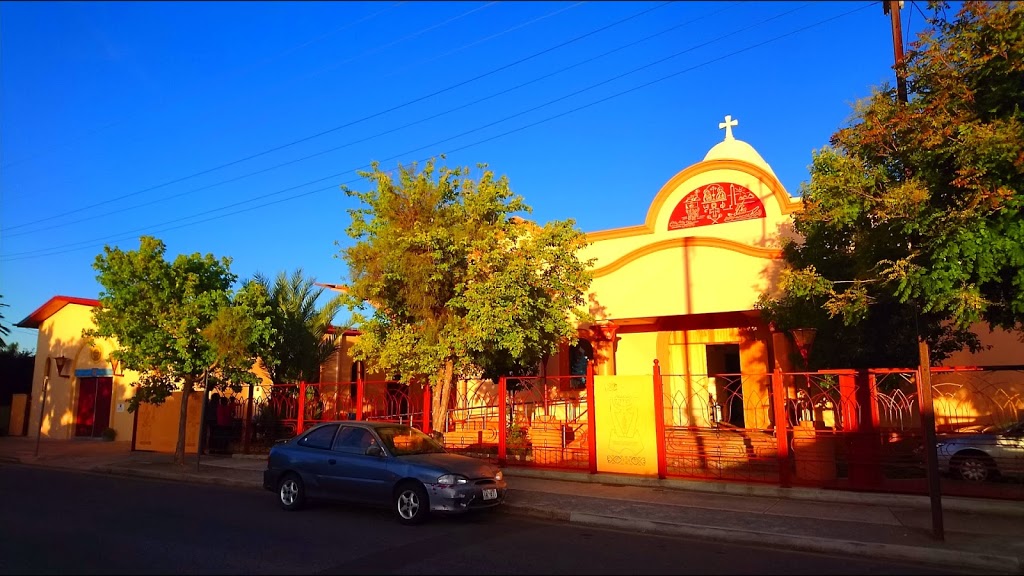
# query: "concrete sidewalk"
[[982, 536]]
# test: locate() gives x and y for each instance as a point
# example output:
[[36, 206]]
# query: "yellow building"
[[85, 392], [679, 288]]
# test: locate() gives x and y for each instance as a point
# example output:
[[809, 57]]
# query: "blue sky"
[[227, 128]]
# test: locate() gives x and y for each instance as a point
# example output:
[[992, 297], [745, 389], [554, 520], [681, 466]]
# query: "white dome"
[[733, 149]]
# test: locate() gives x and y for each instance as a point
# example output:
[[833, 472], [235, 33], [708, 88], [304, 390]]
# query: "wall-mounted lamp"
[[116, 366], [804, 339], [62, 362]]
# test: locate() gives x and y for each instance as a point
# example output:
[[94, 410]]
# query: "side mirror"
[[374, 451]]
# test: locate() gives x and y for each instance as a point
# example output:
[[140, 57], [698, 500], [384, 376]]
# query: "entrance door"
[[724, 366], [93, 414]]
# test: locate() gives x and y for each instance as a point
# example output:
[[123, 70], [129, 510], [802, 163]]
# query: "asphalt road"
[[61, 522]]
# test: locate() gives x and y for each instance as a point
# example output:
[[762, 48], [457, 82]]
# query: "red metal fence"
[[839, 429], [853, 430]]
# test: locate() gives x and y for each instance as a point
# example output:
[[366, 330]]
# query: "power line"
[[346, 125], [484, 39], [236, 74], [426, 119], [59, 249]]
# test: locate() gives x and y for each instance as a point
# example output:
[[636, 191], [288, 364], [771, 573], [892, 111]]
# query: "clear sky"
[[227, 128]]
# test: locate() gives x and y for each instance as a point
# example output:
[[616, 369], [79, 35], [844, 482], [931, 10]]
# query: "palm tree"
[[304, 340]]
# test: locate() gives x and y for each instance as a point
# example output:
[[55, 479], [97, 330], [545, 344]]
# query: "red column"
[[781, 426], [426, 408], [860, 423], [359, 396], [502, 419], [337, 401], [659, 421], [591, 417], [302, 408]]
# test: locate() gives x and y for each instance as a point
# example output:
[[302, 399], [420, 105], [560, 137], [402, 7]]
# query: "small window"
[[319, 437], [353, 440], [579, 356], [357, 373]]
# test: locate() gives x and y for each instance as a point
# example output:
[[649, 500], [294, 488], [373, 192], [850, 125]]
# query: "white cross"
[[728, 124]]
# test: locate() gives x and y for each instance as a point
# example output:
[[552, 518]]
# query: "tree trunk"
[[442, 391], [179, 450]]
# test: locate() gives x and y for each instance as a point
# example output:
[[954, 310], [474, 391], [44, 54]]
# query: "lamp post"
[[61, 361]]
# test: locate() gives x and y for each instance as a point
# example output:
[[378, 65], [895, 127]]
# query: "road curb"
[[176, 477], [874, 550], [534, 512], [950, 503]]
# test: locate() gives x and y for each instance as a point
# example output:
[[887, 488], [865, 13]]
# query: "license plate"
[[490, 494]]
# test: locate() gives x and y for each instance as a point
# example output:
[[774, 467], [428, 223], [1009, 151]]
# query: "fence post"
[[337, 402], [301, 416], [502, 417], [659, 421], [781, 426], [360, 390], [591, 418], [247, 424], [426, 408]]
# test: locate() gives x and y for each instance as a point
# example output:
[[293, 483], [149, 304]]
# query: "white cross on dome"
[[728, 124]]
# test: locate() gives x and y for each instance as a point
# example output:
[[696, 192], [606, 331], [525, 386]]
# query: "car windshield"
[[404, 441]]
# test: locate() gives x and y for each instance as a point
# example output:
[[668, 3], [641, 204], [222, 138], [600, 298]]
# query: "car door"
[[1011, 450], [315, 460], [363, 477]]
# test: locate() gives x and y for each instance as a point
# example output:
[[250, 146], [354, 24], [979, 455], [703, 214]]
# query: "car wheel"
[[411, 504], [975, 468], [291, 493]]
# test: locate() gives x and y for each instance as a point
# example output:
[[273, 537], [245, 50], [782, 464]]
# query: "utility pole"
[[924, 379], [892, 8]]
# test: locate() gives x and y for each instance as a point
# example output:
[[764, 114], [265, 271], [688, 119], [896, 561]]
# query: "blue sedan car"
[[380, 463]]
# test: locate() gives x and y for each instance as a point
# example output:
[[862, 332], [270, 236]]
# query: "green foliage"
[[302, 341], [457, 284], [157, 310], [240, 333], [176, 323], [16, 367], [913, 214]]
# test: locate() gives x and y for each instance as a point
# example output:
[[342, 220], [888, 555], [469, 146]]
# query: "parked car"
[[380, 463], [983, 456]]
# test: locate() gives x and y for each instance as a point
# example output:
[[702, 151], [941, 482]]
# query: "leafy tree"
[[16, 365], [240, 334], [914, 211], [303, 341], [160, 315], [455, 284]]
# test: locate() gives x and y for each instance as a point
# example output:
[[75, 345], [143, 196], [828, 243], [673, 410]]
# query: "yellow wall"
[[158, 425], [61, 334], [1006, 349], [649, 271], [16, 425], [636, 352]]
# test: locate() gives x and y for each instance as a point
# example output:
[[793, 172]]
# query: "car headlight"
[[499, 476], [452, 479]]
